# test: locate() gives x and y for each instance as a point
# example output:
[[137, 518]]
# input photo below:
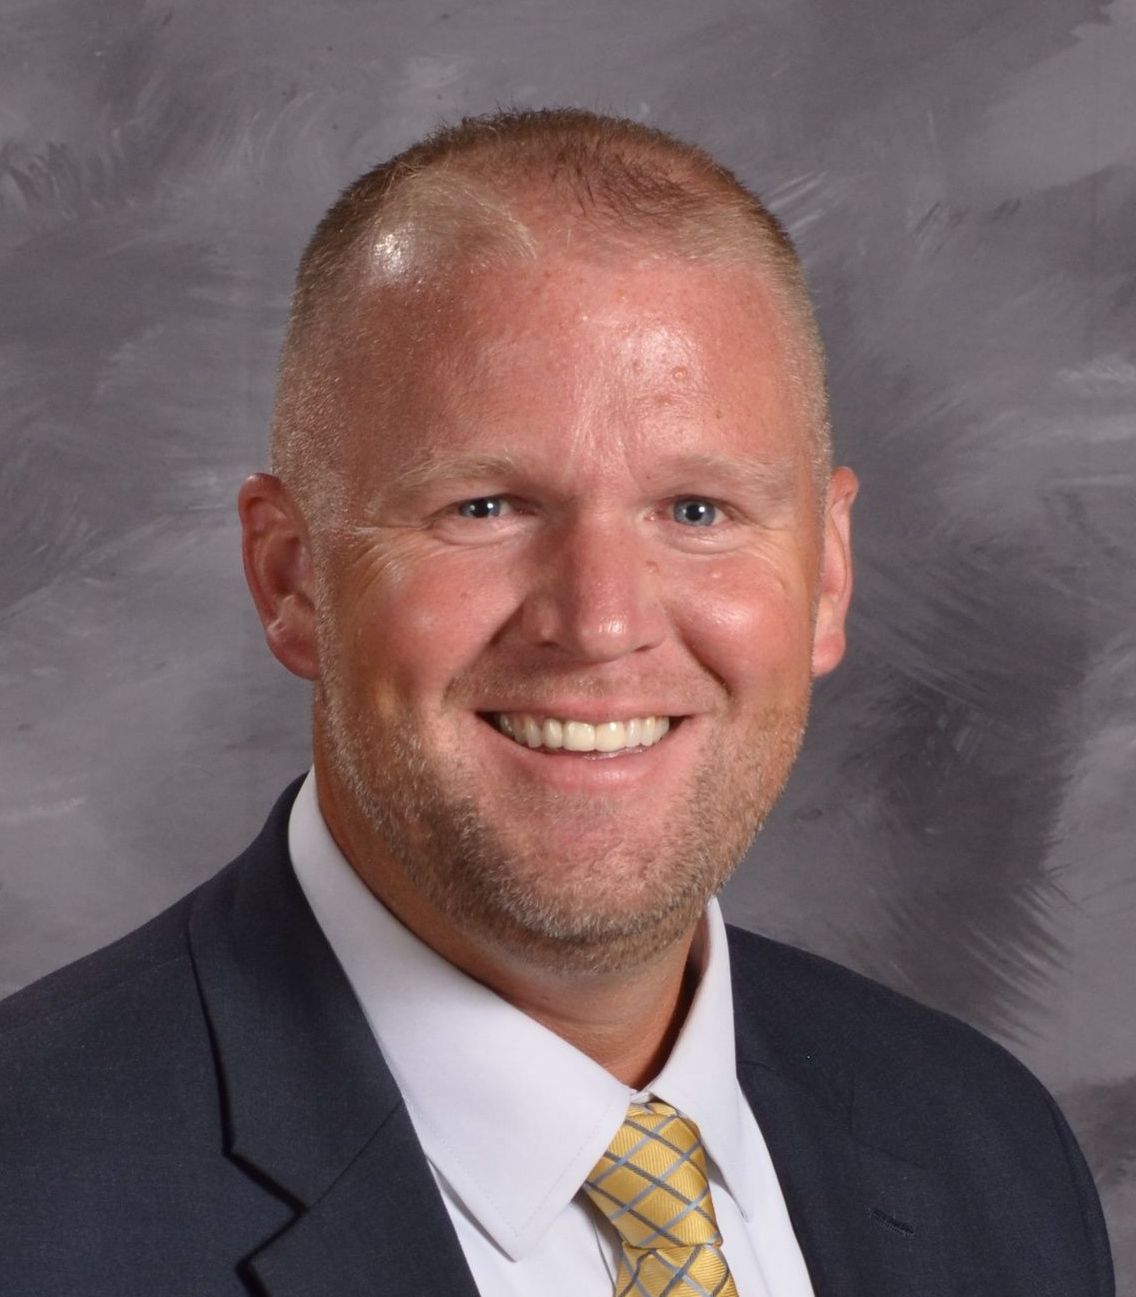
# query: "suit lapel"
[[381, 1230], [310, 1109], [863, 1218], [868, 1219]]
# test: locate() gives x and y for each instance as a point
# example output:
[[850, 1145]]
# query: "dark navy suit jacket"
[[201, 1109]]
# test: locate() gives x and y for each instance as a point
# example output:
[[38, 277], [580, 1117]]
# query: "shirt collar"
[[511, 1116]]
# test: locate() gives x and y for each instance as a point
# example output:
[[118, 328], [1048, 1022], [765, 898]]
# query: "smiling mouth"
[[553, 734]]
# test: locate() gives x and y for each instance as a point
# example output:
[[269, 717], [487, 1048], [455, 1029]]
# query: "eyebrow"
[[428, 472], [775, 479]]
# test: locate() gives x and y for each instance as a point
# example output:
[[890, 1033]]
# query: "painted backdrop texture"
[[961, 179]]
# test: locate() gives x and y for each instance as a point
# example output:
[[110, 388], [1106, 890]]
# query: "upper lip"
[[590, 713]]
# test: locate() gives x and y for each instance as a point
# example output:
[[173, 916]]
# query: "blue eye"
[[695, 513], [485, 506]]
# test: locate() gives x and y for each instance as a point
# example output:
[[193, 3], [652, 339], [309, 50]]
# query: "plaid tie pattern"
[[651, 1184]]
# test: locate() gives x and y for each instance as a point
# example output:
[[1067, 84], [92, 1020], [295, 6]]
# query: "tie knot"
[[651, 1182]]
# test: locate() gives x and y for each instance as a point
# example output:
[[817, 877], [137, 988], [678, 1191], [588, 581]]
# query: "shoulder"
[[100, 1036], [930, 1099], [902, 1057], [121, 1033], [101, 995], [113, 1125], [121, 970], [922, 1085], [109, 1096], [813, 1001], [134, 1005]]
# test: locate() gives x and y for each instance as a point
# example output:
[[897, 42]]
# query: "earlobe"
[[278, 569], [835, 573]]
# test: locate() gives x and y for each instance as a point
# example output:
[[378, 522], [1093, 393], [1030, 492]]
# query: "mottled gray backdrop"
[[961, 178]]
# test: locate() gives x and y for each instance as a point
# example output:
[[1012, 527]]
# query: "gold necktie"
[[651, 1184]]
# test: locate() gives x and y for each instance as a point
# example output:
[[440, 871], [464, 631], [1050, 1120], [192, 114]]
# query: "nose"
[[595, 595]]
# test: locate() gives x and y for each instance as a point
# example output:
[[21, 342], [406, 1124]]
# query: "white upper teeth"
[[580, 736]]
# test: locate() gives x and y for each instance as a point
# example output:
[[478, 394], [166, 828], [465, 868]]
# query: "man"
[[553, 531]]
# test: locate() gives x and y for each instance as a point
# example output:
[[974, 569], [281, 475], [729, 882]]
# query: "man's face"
[[565, 634]]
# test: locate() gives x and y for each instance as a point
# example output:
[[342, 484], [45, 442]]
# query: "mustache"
[[514, 686]]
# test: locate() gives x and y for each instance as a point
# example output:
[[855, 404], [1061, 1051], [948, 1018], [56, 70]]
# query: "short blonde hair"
[[491, 188]]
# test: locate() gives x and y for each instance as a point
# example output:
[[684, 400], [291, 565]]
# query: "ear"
[[279, 571], [835, 572]]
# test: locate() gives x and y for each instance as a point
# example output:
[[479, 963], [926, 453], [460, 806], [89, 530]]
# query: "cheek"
[[420, 624], [750, 624]]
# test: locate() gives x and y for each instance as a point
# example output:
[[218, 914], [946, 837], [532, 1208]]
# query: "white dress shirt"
[[512, 1118]]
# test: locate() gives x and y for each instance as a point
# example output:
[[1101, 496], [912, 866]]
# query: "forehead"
[[577, 360]]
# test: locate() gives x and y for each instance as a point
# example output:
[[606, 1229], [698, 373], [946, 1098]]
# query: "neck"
[[627, 1022]]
